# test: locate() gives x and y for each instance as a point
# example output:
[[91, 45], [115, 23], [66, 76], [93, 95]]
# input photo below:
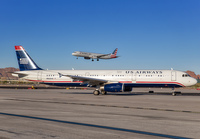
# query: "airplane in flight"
[[104, 80], [97, 56]]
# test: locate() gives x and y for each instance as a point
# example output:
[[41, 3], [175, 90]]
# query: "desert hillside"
[[6, 73]]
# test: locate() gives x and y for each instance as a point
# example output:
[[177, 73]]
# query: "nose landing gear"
[[174, 93]]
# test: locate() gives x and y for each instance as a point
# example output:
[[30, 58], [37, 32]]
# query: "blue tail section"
[[115, 51], [24, 60]]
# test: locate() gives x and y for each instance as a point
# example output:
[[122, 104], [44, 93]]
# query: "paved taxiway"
[[78, 114]]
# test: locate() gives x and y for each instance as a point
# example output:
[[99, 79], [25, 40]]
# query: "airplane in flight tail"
[[114, 54], [97, 56]]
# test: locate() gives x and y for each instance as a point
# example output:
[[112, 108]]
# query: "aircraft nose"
[[193, 81]]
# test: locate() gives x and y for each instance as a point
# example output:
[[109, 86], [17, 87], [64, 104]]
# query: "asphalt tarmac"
[[78, 114]]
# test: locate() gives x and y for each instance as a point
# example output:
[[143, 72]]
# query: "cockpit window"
[[185, 75]]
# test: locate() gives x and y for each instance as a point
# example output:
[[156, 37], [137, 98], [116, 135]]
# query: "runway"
[[78, 114]]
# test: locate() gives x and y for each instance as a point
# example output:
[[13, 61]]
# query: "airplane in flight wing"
[[97, 56], [104, 80]]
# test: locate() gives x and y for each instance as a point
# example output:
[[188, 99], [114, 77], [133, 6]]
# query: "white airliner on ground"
[[104, 80], [97, 56]]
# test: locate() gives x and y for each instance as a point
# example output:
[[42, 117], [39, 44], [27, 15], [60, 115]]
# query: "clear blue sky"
[[150, 34]]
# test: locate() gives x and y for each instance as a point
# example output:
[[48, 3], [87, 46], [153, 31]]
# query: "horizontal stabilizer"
[[20, 75]]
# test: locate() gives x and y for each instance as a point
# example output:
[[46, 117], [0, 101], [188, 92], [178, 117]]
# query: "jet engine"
[[86, 57], [116, 87]]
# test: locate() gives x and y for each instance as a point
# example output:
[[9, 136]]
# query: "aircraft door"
[[173, 75], [87, 74], [134, 76], [39, 75]]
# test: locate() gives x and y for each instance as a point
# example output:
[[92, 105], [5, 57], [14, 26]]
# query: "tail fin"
[[24, 60], [115, 52]]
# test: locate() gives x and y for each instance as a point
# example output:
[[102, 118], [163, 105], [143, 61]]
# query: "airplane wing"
[[99, 56], [91, 81]]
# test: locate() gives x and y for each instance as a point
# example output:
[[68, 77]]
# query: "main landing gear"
[[97, 92], [93, 59]]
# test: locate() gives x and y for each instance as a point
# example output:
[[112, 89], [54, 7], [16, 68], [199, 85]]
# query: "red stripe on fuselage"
[[137, 82], [56, 81], [125, 81], [71, 81], [146, 82]]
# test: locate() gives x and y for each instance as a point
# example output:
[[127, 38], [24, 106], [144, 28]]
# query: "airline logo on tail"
[[113, 55], [23, 61]]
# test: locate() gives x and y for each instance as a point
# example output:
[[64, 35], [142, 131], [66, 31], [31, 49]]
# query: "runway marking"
[[100, 105], [96, 126]]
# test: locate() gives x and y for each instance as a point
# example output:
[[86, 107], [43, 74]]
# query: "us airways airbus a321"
[[97, 56], [104, 80]]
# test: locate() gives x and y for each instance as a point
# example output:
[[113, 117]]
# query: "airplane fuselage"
[[132, 78]]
